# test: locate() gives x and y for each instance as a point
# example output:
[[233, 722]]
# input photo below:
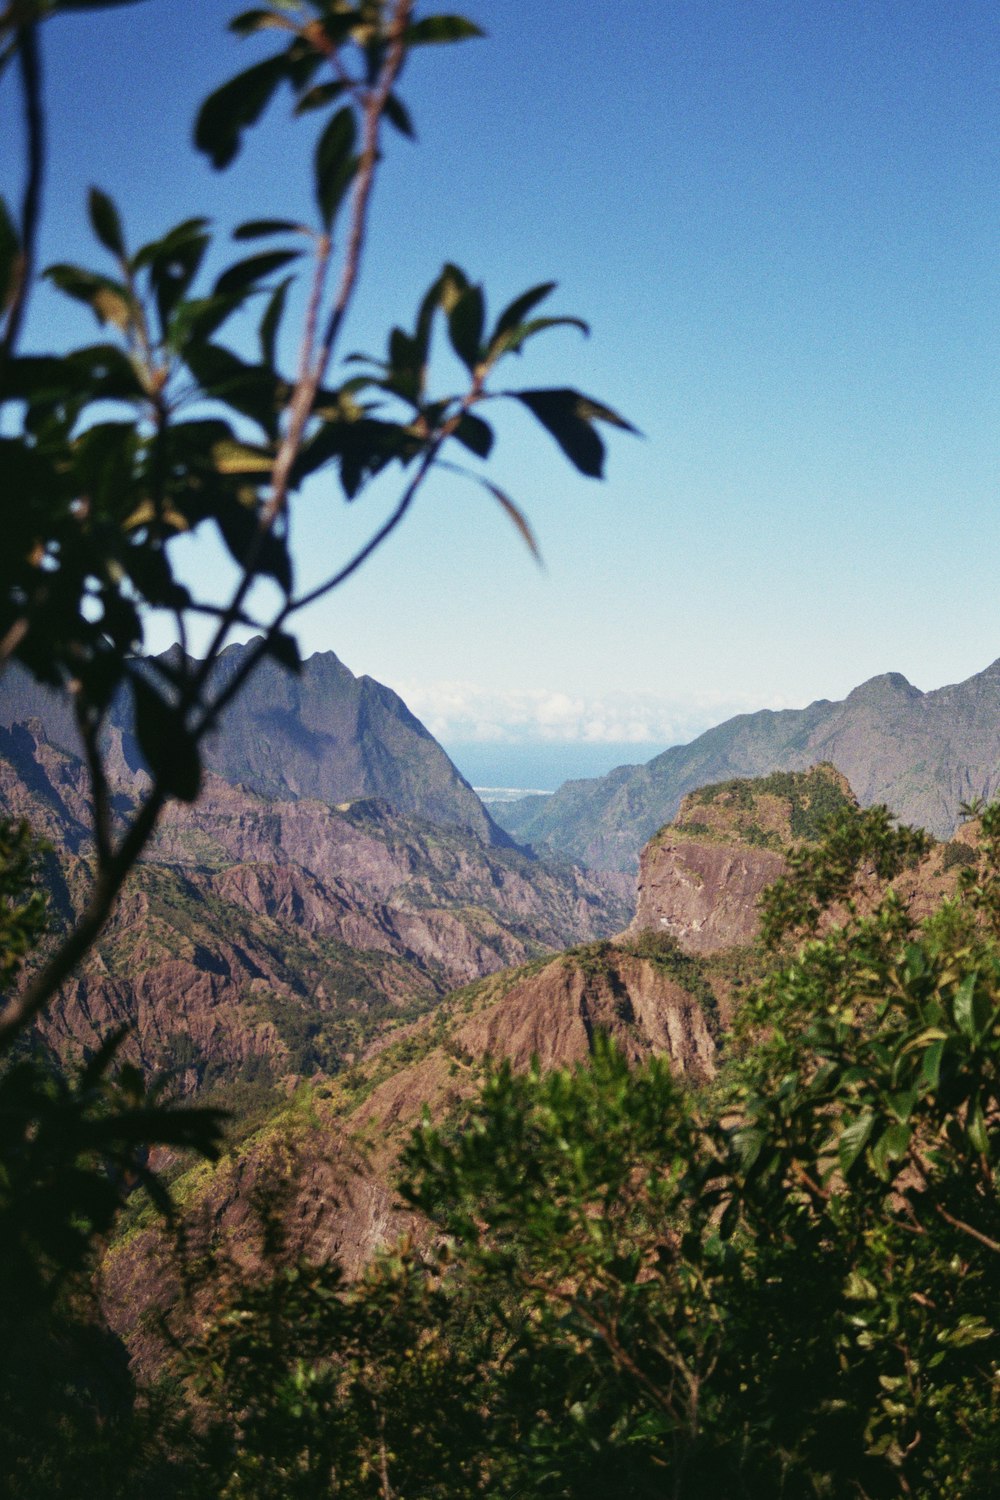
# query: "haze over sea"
[[542, 766]]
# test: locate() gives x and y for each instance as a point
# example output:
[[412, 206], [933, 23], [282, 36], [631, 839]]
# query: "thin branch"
[[374, 110], [313, 365], [968, 1229], [305, 393], [409, 494], [29, 62]]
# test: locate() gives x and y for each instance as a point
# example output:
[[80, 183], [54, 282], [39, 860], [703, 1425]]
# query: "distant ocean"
[[506, 772]]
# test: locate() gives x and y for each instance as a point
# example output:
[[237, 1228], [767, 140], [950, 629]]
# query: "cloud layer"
[[467, 712]]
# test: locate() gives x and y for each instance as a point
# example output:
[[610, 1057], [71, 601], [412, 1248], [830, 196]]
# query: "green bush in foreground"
[[792, 1296]]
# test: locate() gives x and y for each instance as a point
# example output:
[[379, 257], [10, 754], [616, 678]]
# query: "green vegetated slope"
[[921, 753], [768, 812], [329, 1156]]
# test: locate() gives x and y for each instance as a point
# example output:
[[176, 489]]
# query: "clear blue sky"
[[782, 222]]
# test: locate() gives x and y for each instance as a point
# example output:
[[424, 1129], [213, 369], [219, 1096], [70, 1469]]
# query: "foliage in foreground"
[[791, 1295], [787, 1289]]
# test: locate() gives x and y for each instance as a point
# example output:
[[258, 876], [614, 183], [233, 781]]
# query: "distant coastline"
[[490, 794]]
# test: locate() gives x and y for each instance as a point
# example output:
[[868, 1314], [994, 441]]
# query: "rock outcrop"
[[703, 895], [701, 877]]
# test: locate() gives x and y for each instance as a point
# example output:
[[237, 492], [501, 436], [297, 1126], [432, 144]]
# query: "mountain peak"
[[885, 685]]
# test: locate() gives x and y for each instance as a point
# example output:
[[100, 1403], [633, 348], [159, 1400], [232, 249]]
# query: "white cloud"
[[465, 711]]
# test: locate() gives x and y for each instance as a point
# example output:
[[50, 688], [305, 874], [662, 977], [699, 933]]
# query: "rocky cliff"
[[921, 753], [260, 938], [702, 876], [326, 1161]]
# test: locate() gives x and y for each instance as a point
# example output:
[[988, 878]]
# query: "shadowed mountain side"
[[322, 734], [921, 753]]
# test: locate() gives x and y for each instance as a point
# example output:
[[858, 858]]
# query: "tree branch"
[[29, 62]]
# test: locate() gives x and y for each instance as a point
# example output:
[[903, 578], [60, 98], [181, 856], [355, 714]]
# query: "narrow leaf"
[[441, 29], [255, 229], [284, 649], [963, 1005], [569, 417], [227, 112], [335, 163], [516, 312], [245, 274], [853, 1139], [271, 321], [476, 435], [319, 97], [516, 515], [399, 116], [105, 222], [465, 325], [249, 21]]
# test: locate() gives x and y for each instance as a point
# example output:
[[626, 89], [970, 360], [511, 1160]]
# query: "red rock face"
[[704, 895], [554, 1015]]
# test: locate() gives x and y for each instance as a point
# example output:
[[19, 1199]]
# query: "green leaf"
[[259, 19], [515, 514], [227, 112], [930, 1067], [976, 1129], [890, 1146], [167, 744], [398, 115], [475, 434], [963, 1005], [108, 300], [105, 222], [516, 312], [243, 277], [335, 163], [255, 229], [465, 325], [318, 97], [173, 265], [284, 649], [250, 389], [853, 1139], [261, 552], [10, 246], [748, 1143], [271, 321], [232, 457], [514, 340], [444, 28], [569, 417]]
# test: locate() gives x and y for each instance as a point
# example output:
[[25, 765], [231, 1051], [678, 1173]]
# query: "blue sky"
[[781, 221]]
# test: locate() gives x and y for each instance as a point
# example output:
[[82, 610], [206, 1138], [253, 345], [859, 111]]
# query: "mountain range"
[[271, 933], [322, 734], [923, 754]]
